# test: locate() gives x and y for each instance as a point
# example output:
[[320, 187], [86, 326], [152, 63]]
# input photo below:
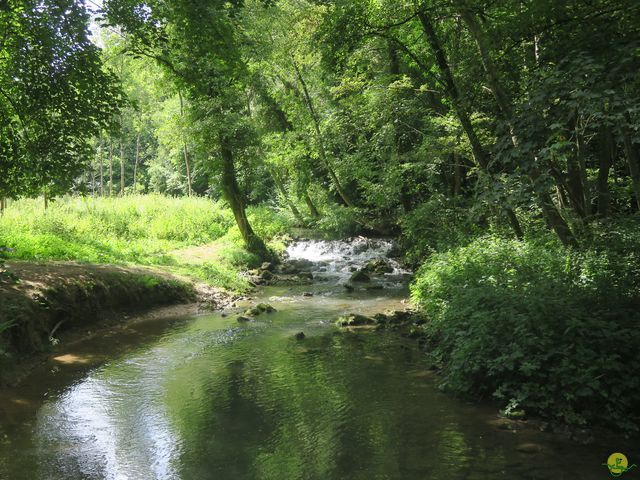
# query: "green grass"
[[138, 229]]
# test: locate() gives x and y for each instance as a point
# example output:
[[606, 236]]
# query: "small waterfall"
[[337, 260]]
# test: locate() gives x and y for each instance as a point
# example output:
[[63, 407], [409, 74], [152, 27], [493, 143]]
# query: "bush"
[[549, 329], [435, 225]]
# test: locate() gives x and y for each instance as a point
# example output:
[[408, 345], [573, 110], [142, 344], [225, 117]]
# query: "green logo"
[[618, 464]]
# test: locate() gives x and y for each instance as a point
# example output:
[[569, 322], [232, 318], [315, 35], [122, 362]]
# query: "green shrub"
[[435, 225], [551, 330]]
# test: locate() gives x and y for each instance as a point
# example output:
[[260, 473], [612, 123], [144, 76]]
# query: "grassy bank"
[[543, 328], [82, 257], [140, 230]]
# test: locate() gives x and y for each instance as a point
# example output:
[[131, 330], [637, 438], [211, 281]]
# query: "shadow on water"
[[210, 398]]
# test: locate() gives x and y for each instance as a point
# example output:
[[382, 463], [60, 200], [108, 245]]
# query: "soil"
[[56, 303]]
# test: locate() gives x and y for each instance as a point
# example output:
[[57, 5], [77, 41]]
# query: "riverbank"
[[54, 303]]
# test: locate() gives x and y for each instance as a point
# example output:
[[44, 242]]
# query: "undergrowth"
[[540, 326]]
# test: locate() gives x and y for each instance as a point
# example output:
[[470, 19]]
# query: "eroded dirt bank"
[[55, 303]]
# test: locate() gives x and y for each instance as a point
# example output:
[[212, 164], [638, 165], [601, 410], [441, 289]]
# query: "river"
[[207, 397]]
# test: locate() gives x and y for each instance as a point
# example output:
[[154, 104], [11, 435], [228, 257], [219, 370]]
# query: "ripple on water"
[[214, 399]]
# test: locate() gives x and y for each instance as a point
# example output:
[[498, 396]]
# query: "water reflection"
[[214, 399]]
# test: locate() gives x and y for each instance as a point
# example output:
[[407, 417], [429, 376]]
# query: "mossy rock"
[[379, 266], [360, 276], [355, 320], [265, 308], [258, 309]]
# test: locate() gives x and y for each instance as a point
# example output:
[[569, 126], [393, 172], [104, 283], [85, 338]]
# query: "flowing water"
[[209, 398]]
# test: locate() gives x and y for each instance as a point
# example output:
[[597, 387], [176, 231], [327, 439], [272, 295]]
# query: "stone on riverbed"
[[266, 275], [260, 308], [359, 276], [378, 266], [300, 336], [243, 319], [355, 320], [296, 266]]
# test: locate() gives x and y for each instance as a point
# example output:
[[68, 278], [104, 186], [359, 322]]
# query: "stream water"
[[209, 398]]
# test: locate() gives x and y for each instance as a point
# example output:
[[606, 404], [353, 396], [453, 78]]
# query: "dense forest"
[[498, 141]]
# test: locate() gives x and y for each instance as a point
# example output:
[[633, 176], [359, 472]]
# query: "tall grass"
[[140, 229]]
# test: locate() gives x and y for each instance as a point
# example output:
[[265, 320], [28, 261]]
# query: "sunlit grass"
[[190, 235]]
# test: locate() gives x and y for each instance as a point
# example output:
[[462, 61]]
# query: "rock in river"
[[355, 320], [360, 276]]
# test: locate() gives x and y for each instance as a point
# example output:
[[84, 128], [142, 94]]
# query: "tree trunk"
[[101, 169], [283, 191], [312, 208], [319, 139], [3, 205], [233, 196], [577, 175], [185, 151], [479, 154], [633, 158], [554, 220], [46, 200], [135, 165], [121, 168], [457, 175], [110, 167], [605, 162]]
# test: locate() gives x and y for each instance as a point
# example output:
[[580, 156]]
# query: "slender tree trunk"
[[283, 191], [549, 209], [319, 138], [479, 154], [135, 165], [311, 206], [3, 205], [577, 176], [121, 168], [185, 151], [46, 199], [232, 194], [633, 158], [101, 169], [111, 167], [457, 175], [604, 167]]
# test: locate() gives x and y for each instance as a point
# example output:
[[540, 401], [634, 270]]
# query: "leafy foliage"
[[550, 329], [54, 95]]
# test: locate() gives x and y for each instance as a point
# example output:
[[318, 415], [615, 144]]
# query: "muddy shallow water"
[[205, 397]]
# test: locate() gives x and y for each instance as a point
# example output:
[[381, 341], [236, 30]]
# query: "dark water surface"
[[208, 398]]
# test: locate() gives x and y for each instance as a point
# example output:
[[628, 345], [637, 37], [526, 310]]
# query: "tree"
[[55, 96], [198, 45]]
